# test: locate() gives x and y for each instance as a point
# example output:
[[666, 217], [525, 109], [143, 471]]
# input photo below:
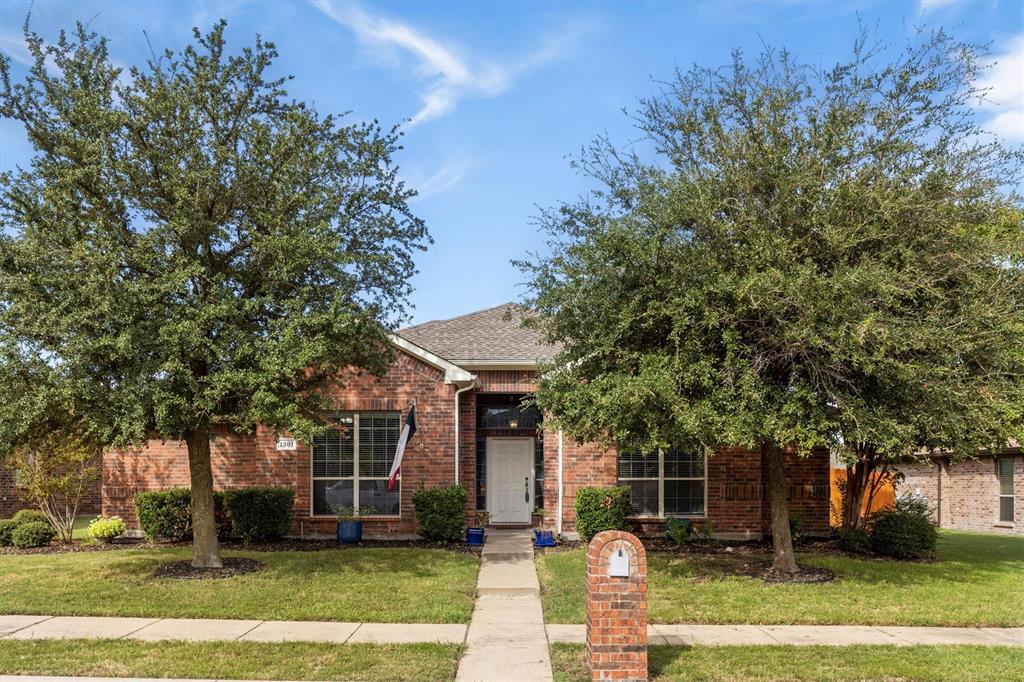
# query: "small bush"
[[7, 527], [106, 530], [855, 540], [260, 513], [29, 516], [33, 534], [599, 509], [167, 514], [903, 535], [914, 504], [679, 531], [441, 512]]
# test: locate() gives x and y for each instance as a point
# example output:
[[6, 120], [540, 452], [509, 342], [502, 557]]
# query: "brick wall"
[[507, 381], [252, 459], [10, 501], [969, 493]]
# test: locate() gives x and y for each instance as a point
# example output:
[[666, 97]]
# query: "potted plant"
[[543, 536], [350, 524], [475, 535]]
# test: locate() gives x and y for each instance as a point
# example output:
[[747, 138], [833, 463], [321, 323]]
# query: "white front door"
[[510, 479]]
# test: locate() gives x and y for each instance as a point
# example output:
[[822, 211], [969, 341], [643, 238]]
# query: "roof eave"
[[453, 373], [497, 364]]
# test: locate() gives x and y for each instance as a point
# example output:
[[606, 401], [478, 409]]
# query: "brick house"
[[985, 493], [468, 376]]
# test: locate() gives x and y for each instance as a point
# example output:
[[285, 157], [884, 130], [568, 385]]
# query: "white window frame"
[[355, 477], [999, 490], [661, 487]]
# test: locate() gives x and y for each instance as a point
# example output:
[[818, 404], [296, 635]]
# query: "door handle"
[[526, 491]]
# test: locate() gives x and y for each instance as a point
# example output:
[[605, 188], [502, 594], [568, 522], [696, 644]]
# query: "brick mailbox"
[[617, 607]]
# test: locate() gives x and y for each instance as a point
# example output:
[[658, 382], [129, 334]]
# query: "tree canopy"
[[793, 255], [189, 245]]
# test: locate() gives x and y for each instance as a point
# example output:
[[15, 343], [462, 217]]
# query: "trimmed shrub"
[[855, 540], [29, 516], [33, 534], [441, 512], [914, 504], [167, 514], [260, 513], [903, 535], [7, 527], [106, 530], [599, 509]]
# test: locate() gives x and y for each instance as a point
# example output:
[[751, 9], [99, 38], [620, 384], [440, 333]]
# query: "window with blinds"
[[351, 462], [664, 483], [1005, 468]]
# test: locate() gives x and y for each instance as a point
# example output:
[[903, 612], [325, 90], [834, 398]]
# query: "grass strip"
[[230, 660], [860, 663]]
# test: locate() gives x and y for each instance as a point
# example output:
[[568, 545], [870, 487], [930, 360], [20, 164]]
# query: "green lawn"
[[230, 660], [976, 581], [81, 531], [852, 663], [387, 585]]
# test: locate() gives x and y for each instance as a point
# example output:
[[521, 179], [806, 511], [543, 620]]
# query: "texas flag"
[[407, 434]]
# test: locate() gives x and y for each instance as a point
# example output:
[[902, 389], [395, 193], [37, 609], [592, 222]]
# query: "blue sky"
[[499, 96]]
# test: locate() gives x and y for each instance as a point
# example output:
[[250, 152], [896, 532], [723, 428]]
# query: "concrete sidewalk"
[[201, 629], [826, 635], [503, 618], [506, 638]]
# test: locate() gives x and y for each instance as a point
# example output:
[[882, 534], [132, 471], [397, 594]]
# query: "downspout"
[[458, 433], [558, 513]]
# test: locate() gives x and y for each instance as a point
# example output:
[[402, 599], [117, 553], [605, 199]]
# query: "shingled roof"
[[494, 335]]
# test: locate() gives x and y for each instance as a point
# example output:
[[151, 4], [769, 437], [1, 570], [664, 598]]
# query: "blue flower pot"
[[350, 532], [474, 536], [543, 538]]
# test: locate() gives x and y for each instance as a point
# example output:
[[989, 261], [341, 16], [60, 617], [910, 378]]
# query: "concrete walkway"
[[506, 638], [201, 629], [506, 614], [827, 635]]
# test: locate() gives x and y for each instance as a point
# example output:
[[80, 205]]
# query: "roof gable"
[[491, 336]]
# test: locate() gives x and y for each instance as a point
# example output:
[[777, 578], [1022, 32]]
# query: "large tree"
[[191, 248], [792, 256]]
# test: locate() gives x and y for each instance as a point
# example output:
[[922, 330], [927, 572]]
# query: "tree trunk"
[[205, 549], [782, 541], [858, 481]]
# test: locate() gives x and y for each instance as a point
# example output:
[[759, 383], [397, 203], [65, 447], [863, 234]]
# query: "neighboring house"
[[985, 493], [11, 499], [468, 376]]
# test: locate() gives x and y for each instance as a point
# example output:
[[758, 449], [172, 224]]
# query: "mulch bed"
[[285, 545], [184, 570], [79, 546], [291, 545]]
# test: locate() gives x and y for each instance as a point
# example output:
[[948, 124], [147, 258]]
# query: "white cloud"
[[14, 46], [924, 5], [449, 76], [1004, 82], [444, 178]]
